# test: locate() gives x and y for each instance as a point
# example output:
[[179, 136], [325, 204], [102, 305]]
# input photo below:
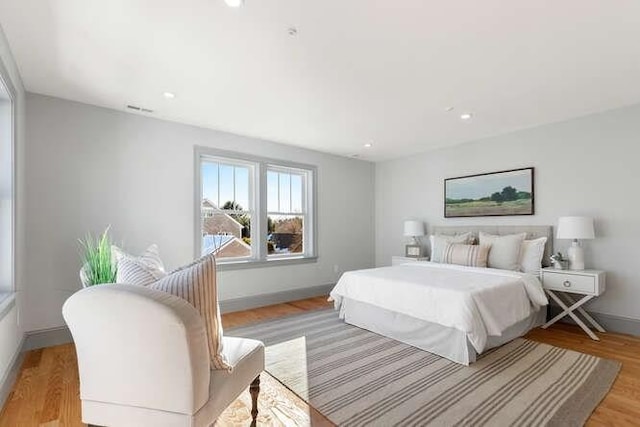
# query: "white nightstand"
[[397, 260], [560, 283]]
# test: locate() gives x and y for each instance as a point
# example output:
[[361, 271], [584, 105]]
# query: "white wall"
[[587, 166], [11, 331], [89, 167]]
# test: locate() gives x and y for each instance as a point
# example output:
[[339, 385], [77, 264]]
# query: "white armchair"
[[144, 361]]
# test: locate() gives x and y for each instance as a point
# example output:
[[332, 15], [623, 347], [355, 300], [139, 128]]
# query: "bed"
[[454, 311]]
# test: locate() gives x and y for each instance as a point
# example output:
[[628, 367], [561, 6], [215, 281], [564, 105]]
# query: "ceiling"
[[358, 71]]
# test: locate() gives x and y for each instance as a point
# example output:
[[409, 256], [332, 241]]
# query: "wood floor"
[[46, 392]]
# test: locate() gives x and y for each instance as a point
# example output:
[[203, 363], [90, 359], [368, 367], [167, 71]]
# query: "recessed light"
[[169, 95], [293, 31], [466, 116], [234, 3], [368, 145]]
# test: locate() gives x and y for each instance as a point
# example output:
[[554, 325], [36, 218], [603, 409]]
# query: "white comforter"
[[478, 301]]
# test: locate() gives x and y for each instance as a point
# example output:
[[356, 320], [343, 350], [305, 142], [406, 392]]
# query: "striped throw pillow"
[[196, 283], [467, 255], [138, 270], [439, 243]]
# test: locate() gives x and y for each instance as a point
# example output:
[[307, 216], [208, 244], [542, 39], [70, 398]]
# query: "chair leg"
[[254, 390]]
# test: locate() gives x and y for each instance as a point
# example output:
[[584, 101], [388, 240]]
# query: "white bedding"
[[477, 301]]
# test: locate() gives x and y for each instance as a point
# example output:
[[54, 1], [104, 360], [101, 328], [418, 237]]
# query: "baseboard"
[[618, 324], [61, 335], [255, 301], [9, 379], [47, 338]]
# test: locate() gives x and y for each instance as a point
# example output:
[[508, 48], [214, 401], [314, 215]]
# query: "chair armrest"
[[139, 347]]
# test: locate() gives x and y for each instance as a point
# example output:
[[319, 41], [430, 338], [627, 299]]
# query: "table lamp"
[[575, 228], [413, 229]]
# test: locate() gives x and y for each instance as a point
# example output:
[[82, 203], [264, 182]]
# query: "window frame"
[[7, 293], [260, 257], [252, 199], [306, 208]]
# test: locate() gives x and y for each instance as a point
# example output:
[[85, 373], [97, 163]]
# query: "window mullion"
[[261, 211], [218, 195]]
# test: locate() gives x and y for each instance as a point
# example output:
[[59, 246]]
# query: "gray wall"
[[89, 167], [587, 166]]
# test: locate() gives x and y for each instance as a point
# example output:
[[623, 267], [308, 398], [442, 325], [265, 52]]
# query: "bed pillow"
[[138, 270], [531, 254], [505, 250], [196, 283], [467, 255], [440, 241]]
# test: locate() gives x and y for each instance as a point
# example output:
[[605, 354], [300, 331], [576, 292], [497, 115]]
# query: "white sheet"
[[477, 301]]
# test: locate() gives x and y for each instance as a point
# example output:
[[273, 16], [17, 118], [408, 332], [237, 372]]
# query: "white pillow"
[[505, 250], [531, 255], [138, 270], [440, 241]]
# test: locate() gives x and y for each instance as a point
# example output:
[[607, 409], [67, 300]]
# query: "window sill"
[[7, 301], [278, 262]]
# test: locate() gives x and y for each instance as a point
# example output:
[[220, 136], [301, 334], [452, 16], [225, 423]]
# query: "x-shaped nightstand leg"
[[570, 312], [585, 314]]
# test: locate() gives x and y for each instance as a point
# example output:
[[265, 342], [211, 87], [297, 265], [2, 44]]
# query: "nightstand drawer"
[[570, 282]]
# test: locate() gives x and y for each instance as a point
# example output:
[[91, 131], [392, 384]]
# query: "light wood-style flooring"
[[47, 390]]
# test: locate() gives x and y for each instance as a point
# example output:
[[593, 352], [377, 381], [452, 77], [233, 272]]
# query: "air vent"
[[140, 109]]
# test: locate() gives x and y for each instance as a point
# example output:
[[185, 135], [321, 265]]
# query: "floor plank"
[[46, 392]]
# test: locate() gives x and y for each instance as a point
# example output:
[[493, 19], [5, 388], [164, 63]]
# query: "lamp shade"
[[575, 227], [413, 228]]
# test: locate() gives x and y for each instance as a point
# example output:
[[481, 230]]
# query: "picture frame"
[[502, 193], [413, 251]]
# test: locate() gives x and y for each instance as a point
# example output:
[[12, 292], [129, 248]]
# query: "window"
[[253, 210], [7, 135], [286, 211], [227, 208]]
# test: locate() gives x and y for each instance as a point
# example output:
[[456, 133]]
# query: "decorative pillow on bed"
[[440, 241], [505, 250], [531, 254], [467, 255]]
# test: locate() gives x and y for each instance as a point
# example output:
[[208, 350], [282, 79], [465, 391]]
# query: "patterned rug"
[[356, 378]]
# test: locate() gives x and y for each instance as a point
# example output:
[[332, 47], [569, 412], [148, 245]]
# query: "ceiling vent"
[[139, 109]]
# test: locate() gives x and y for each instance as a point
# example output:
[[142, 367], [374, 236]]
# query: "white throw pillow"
[[440, 241], [505, 250], [138, 270], [531, 255]]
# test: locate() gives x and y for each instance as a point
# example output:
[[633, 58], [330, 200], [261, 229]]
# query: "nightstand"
[[397, 260], [558, 284]]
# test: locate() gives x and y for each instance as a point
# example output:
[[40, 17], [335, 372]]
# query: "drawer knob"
[[566, 284]]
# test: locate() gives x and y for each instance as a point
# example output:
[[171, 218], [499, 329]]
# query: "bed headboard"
[[533, 232]]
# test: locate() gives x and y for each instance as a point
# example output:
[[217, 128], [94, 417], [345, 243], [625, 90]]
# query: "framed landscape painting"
[[490, 194]]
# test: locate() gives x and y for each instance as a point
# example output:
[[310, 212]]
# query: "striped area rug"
[[356, 378]]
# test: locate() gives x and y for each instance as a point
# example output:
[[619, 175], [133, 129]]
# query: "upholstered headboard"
[[533, 232]]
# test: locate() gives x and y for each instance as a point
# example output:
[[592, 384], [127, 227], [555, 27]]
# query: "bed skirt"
[[432, 337]]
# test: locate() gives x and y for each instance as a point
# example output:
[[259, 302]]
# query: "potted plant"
[[99, 266]]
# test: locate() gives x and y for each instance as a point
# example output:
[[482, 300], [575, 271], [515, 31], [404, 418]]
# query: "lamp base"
[[576, 256]]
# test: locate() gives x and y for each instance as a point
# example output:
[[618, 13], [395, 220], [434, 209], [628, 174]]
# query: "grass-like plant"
[[98, 266]]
